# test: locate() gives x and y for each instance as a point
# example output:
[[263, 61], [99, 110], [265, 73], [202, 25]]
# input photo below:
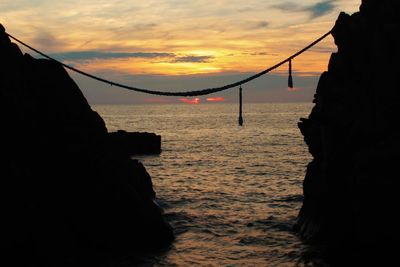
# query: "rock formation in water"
[[136, 143], [66, 191], [351, 186]]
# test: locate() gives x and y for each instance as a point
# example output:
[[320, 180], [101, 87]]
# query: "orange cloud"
[[190, 101], [215, 99]]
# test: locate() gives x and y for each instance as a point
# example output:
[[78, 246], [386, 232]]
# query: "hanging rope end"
[[290, 79], [240, 121], [240, 106], [290, 82]]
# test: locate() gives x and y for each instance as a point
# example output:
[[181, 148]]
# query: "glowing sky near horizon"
[[175, 38]]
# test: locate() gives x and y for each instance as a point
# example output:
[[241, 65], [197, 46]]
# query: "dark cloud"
[[259, 54], [288, 6], [194, 59], [246, 9], [316, 10], [133, 28], [145, 26], [260, 25], [46, 39], [320, 9], [322, 49], [89, 55]]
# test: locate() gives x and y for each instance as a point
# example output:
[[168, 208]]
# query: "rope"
[[185, 93], [240, 106], [290, 79]]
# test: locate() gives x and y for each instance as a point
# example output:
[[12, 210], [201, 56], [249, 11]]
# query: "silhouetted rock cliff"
[[351, 187], [65, 189]]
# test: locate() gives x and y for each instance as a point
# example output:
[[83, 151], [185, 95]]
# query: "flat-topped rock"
[[136, 143]]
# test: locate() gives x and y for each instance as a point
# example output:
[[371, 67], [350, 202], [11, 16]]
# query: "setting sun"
[[195, 100], [215, 99]]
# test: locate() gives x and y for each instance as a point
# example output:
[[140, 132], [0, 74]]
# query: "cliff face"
[[65, 189], [351, 187]]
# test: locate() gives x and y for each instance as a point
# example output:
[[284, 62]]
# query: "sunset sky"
[[181, 45]]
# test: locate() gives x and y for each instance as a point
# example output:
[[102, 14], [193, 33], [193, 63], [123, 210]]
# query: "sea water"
[[231, 193]]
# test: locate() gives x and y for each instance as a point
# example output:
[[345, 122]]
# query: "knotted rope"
[[200, 92]]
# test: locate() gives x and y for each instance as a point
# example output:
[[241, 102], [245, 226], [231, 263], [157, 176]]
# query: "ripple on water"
[[230, 193]]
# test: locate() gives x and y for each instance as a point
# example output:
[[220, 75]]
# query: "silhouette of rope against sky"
[[185, 93]]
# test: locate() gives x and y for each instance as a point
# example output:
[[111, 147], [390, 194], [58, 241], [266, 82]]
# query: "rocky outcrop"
[[136, 143], [351, 185], [65, 190]]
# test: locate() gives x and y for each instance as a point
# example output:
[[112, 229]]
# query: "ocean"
[[231, 193]]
